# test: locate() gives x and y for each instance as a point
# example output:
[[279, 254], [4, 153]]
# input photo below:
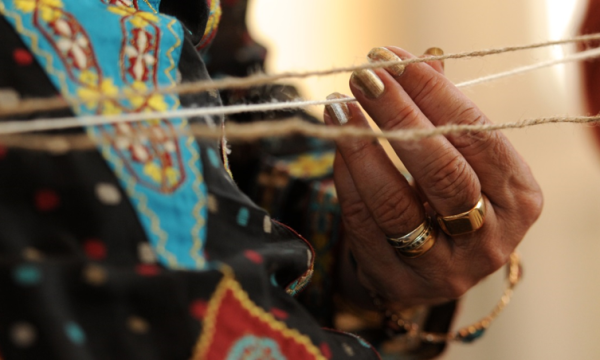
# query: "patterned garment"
[[292, 179], [145, 247]]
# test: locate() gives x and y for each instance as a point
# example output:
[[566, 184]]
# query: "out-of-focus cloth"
[[143, 248]]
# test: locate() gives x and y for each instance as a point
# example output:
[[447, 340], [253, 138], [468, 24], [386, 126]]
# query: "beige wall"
[[555, 313]]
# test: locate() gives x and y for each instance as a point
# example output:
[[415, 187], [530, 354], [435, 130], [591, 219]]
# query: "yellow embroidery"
[[150, 6], [89, 78], [157, 173], [170, 52], [90, 95], [195, 158], [214, 18], [139, 19], [92, 92], [311, 165], [48, 8], [142, 200], [200, 204]]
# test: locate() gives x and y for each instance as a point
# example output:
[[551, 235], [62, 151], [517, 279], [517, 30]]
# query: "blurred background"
[[555, 312]]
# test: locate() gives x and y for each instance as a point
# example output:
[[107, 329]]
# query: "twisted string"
[[37, 105], [94, 120], [264, 129], [584, 55]]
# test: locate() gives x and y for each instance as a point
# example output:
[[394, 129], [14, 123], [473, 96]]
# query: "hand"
[[451, 173]]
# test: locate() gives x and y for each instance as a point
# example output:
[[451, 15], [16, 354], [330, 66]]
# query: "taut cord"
[[15, 127], [49, 104], [264, 129]]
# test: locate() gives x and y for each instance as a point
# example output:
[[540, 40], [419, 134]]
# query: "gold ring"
[[417, 242], [466, 222]]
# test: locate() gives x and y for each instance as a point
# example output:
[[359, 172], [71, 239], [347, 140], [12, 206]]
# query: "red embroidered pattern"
[[70, 42], [139, 54], [128, 3], [139, 58], [233, 318], [157, 154]]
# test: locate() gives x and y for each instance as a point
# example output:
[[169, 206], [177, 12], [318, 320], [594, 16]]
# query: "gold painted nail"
[[339, 111], [435, 51], [383, 54], [368, 82]]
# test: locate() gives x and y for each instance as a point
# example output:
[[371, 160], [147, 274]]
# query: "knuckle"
[[355, 153], [474, 141], [354, 212], [533, 201], [429, 85], [527, 198], [453, 180], [392, 207], [404, 117], [467, 115]]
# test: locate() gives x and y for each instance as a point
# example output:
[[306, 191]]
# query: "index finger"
[[488, 153]]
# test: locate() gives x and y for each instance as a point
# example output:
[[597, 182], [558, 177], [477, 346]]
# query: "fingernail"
[[368, 83], [435, 51], [338, 111], [383, 54]]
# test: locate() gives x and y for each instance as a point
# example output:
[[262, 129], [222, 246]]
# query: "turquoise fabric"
[[149, 5], [127, 48]]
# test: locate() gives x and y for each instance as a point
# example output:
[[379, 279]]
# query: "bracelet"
[[467, 334]]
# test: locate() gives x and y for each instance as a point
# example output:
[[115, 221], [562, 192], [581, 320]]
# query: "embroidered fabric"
[[146, 248]]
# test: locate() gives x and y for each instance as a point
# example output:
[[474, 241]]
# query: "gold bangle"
[[469, 333]]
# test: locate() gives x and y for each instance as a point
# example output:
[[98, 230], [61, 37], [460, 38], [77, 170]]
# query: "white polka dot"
[[58, 146], [267, 225], [23, 334], [158, 133], [32, 254], [122, 142], [170, 146], [137, 325], [146, 253], [348, 349], [213, 204], [140, 153], [95, 275], [9, 98], [108, 194], [123, 128]]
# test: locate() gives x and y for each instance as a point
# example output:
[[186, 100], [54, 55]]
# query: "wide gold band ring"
[[417, 242], [464, 223]]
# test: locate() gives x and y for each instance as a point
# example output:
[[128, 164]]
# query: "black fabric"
[[73, 284], [192, 13]]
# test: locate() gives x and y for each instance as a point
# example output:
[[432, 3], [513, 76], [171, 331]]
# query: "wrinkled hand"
[[451, 173]]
